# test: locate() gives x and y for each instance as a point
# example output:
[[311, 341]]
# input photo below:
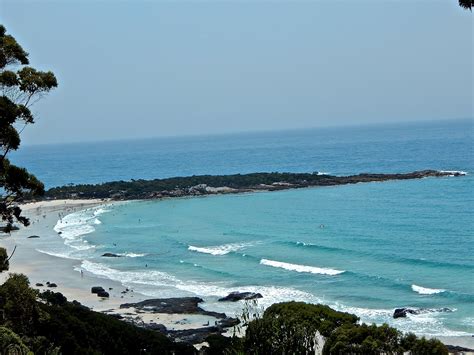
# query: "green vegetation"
[[47, 324], [291, 328], [197, 185], [467, 4], [21, 87], [34, 323]]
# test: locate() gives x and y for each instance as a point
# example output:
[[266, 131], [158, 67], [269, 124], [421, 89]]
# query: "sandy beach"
[[66, 273]]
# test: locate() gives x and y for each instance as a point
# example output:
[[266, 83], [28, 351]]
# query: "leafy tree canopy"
[[21, 86]]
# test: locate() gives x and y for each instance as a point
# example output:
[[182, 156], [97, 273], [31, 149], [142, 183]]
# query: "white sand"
[[40, 268]]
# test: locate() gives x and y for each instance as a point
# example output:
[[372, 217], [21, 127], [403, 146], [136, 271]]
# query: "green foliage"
[[291, 328], [219, 344], [4, 263], [422, 346], [10, 343], [18, 302], [77, 330], [467, 4], [54, 326], [371, 339], [363, 339], [20, 88], [195, 185]]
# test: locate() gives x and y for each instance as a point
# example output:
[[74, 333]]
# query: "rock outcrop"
[[238, 296]]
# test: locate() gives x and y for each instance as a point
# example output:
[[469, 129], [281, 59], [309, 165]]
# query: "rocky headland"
[[224, 184]]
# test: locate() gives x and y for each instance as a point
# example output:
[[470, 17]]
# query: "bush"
[[291, 328], [4, 263], [10, 343]]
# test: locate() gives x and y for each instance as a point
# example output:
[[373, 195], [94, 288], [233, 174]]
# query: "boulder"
[[104, 294], [52, 284], [402, 312], [39, 284], [193, 336], [111, 255], [33, 236], [180, 305], [228, 322], [238, 296], [97, 289]]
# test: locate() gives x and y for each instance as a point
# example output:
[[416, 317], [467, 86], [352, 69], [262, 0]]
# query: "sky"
[[132, 69]]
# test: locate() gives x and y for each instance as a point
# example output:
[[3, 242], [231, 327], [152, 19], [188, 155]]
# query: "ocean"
[[364, 248]]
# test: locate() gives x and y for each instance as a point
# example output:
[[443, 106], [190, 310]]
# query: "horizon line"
[[252, 132]]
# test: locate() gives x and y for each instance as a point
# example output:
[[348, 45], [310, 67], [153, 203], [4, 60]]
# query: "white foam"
[[73, 227], [150, 277], [58, 255], [132, 255], [301, 268], [159, 284], [429, 323], [219, 249], [322, 173], [453, 172], [100, 210], [156, 283], [425, 290]]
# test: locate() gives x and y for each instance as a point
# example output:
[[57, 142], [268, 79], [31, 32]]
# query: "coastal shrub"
[[4, 264], [19, 305], [48, 324], [292, 328], [363, 339], [10, 343], [78, 330], [373, 340], [422, 346], [220, 344], [53, 298]]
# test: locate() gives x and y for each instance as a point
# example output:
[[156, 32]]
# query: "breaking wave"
[[73, 227], [219, 249], [426, 291], [301, 268]]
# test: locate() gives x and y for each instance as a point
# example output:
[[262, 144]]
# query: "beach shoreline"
[[66, 273], [43, 268]]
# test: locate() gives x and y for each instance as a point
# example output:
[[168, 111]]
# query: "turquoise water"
[[364, 248]]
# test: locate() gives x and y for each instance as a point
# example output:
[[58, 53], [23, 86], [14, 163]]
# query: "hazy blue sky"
[[155, 68]]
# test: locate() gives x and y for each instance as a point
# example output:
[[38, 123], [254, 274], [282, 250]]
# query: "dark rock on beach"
[[111, 255], [402, 312], [228, 322], [104, 294], [238, 296], [52, 285], [182, 305], [39, 284], [97, 289], [33, 236], [193, 336]]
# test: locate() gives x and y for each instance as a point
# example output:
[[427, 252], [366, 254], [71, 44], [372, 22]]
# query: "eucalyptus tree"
[[21, 86]]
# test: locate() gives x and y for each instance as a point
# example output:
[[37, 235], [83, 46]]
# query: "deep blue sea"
[[364, 248]]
